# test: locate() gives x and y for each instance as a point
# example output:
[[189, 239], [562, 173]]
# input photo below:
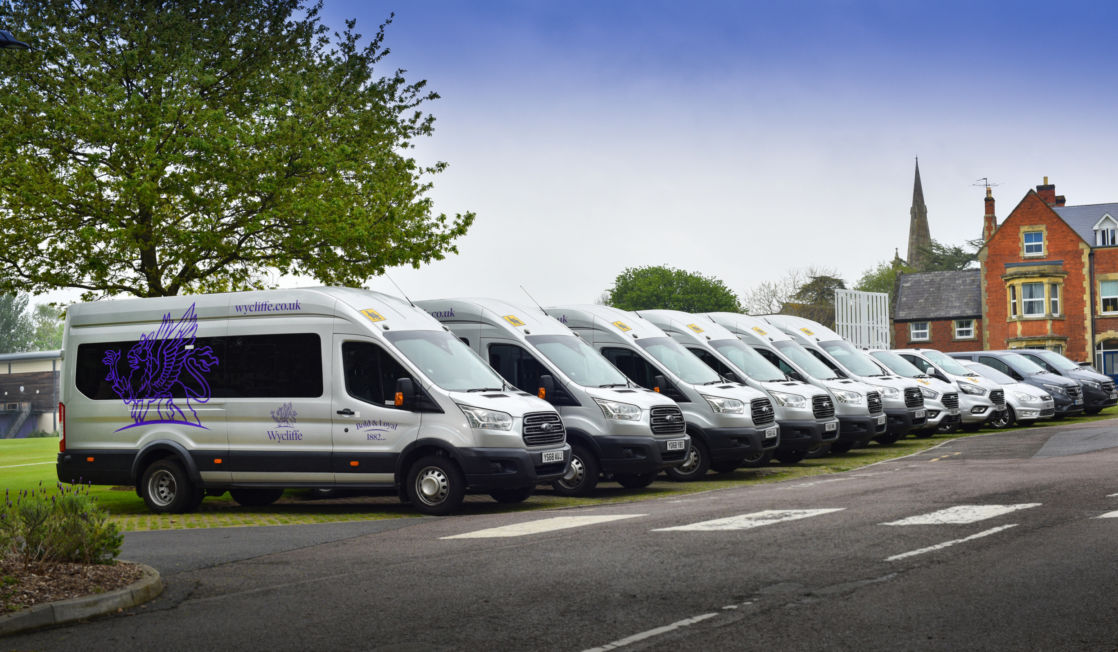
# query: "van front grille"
[[873, 402], [667, 420], [762, 411], [997, 396], [951, 401], [913, 397], [542, 428], [1075, 393], [822, 406]]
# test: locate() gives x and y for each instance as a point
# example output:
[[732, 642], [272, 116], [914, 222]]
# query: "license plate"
[[1079, 401], [918, 415], [771, 432], [880, 420], [1114, 394], [832, 425], [551, 456], [677, 444], [953, 412]]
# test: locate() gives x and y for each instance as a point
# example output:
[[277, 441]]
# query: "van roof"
[[696, 327], [757, 330], [804, 328], [607, 320], [494, 312]]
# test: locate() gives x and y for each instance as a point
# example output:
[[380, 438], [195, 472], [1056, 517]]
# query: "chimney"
[[989, 222], [1060, 200], [1047, 192]]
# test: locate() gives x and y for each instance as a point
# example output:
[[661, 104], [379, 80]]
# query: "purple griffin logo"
[[161, 365]]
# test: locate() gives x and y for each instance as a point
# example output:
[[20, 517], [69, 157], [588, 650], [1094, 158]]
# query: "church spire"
[[919, 237]]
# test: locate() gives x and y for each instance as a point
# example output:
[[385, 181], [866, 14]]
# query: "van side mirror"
[[405, 393], [547, 387], [659, 383]]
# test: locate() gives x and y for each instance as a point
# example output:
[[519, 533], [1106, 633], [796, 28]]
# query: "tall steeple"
[[919, 237]]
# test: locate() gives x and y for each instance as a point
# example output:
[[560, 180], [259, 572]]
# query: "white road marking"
[[540, 526], [1113, 496], [650, 633], [12, 466], [1110, 515], [962, 514], [747, 521], [947, 544]]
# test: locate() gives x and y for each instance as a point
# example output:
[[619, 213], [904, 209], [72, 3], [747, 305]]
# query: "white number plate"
[[919, 414], [1114, 394], [676, 444], [880, 420], [551, 456], [1079, 401], [832, 425], [953, 412], [771, 432]]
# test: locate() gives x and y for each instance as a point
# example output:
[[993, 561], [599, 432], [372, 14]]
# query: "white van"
[[806, 414], [729, 424], [626, 432], [254, 392], [980, 400], [941, 398], [901, 397]]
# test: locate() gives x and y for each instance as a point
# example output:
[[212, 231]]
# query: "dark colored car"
[[1098, 390], [1067, 393]]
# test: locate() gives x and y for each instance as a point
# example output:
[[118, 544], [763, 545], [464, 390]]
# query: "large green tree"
[[163, 147], [16, 328], [659, 287]]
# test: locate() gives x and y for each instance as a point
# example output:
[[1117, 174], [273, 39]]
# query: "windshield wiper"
[[486, 389], [715, 382], [607, 385]]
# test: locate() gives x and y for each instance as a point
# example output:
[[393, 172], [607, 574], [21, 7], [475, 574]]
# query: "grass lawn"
[[25, 463]]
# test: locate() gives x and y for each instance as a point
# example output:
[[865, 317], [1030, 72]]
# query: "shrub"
[[57, 525]]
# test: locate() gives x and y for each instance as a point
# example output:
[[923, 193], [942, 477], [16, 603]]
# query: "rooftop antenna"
[[401, 291], [984, 181], [533, 300]]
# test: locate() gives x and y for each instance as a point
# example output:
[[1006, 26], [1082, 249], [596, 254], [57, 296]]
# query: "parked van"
[[729, 424], [1024, 403], [902, 398], [980, 400], [255, 392], [1067, 393], [806, 414], [941, 398], [628, 433], [1098, 390], [857, 406]]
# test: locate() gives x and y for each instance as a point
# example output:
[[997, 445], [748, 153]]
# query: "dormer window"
[[1106, 232]]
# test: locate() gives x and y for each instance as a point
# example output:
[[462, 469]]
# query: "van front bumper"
[[805, 435], [739, 443], [901, 421], [860, 430], [509, 468], [623, 454]]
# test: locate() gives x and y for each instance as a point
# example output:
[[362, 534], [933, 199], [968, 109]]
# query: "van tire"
[[694, 466], [255, 497], [435, 485], [635, 480], [581, 477], [511, 496], [166, 489], [792, 456], [757, 460]]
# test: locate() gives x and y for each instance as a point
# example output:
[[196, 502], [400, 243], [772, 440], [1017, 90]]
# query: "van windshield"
[[578, 360], [444, 359], [947, 363], [989, 373], [1021, 364], [898, 365], [750, 362], [1055, 359], [855, 361], [804, 360], [681, 362]]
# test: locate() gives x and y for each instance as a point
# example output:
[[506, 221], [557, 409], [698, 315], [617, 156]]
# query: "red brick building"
[[939, 310]]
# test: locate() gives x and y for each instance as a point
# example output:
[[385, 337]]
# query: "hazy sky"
[[738, 139]]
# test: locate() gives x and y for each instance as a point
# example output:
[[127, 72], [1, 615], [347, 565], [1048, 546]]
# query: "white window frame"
[[1054, 299], [1013, 301], [964, 333], [914, 333], [1103, 297], [1032, 249], [1106, 231], [1033, 302]]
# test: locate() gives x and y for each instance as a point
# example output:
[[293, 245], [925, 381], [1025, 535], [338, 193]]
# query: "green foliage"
[[163, 148], [659, 287], [15, 324], [62, 524], [883, 278], [946, 258], [815, 299], [47, 326]]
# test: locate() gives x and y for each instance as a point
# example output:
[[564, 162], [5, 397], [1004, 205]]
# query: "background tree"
[[16, 328], [654, 287], [940, 257], [46, 328], [815, 299], [156, 148], [770, 297]]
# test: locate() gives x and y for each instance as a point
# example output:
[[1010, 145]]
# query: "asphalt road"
[[1000, 542]]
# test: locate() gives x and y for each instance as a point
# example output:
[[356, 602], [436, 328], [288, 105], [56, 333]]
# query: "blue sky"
[[738, 139]]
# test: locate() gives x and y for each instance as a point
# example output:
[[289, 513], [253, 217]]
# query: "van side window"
[[714, 363], [640, 371], [1000, 366], [521, 369], [370, 373], [260, 366]]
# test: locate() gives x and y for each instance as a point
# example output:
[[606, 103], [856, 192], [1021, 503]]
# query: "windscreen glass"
[[947, 363], [804, 360], [1056, 360], [1022, 365], [444, 359], [679, 360], [898, 365], [750, 362], [990, 373], [855, 361], [578, 360]]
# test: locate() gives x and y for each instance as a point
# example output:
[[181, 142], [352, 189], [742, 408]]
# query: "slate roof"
[[938, 295], [1082, 219]]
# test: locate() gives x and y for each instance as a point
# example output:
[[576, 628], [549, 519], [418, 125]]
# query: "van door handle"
[[346, 412]]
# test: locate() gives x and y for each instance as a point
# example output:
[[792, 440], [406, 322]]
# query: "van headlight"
[[888, 392], [482, 419], [725, 405], [928, 392], [972, 389], [1092, 384], [784, 399], [1055, 389], [1027, 398], [850, 397], [618, 410]]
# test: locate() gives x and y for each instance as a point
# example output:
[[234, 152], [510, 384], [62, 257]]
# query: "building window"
[[1032, 299], [1108, 292], [918, 331], [1013, 301], [964, 329], [1054, 298], [1106, 231], [1034, 243]]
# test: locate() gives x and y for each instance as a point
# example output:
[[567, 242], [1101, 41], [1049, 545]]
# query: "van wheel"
[[1004, 419], [791, 457], [760, 458], [887, 439], [694, 466], [581, 477], [255, 497], [635, 480], [167, 490], [435, 485], [510, 496]]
